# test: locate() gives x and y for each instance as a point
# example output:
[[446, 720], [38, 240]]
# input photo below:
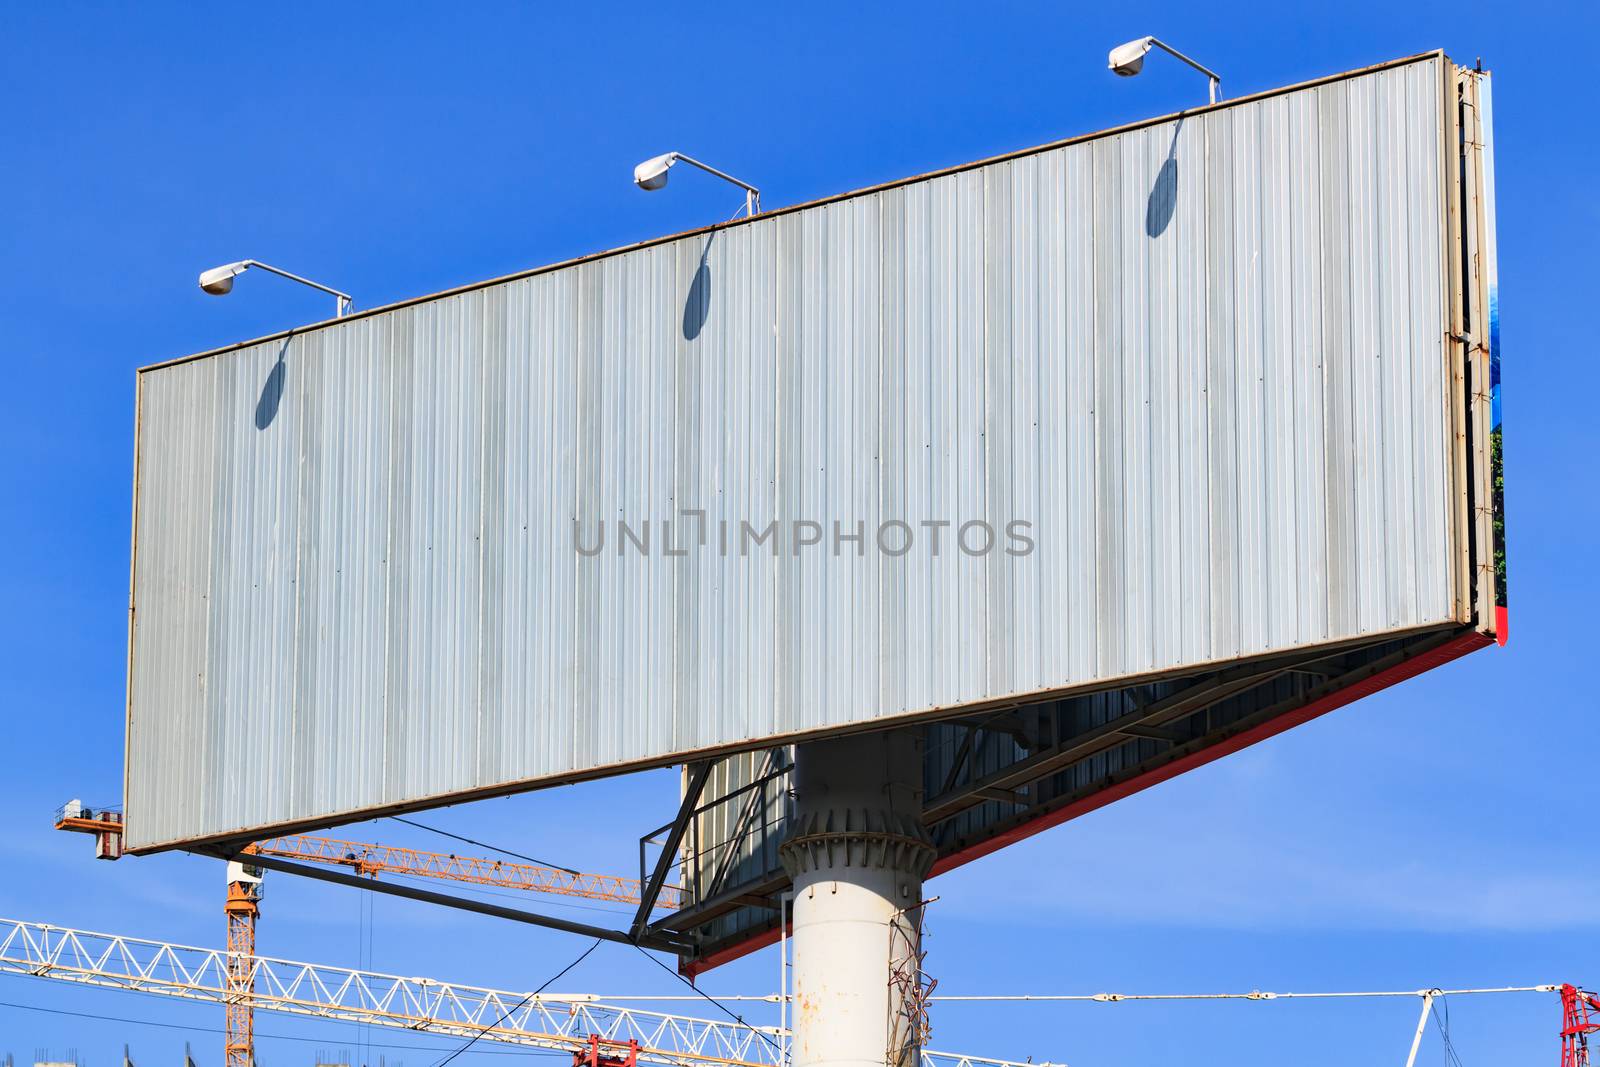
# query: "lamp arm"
[[345, 299], [1216, 79], [754, 194]]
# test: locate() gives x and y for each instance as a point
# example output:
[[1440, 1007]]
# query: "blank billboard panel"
[[1091, 416]]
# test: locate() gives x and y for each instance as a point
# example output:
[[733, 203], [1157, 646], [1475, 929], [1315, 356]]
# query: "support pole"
[[1422, 1024], [857, 857]]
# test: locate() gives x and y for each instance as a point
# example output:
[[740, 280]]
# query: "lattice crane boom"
[[371, 859], [367, 858], [564, 1023]]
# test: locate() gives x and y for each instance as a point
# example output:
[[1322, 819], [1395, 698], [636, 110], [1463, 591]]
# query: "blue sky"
[[1440, 833]]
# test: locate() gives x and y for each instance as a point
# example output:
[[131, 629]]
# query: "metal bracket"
[[669, 850]]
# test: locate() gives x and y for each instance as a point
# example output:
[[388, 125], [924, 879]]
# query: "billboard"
[[1085, 424]]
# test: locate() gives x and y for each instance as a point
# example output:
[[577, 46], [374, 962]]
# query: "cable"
[[267, 1037], [1111, 998], [364, 1032], [480, 844], [1443, 1022], [507, 1013], [763, 1035]]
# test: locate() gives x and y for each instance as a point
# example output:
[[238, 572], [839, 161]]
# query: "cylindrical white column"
[[857, 858]]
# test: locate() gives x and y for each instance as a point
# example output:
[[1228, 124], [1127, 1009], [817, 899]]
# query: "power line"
[[507, 1013], [1443, 1023], [364, 912], [269, 1037], [480, 844], [700, 992], [763, 1035], [1109, 998]]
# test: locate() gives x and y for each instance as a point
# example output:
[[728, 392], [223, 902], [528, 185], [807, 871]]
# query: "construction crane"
[[242, 906], [105, 825], [593, 1032], [372, 859], [597, 1033], [1580, 1017]]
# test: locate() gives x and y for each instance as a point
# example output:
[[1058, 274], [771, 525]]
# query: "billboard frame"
[[1465, 611]]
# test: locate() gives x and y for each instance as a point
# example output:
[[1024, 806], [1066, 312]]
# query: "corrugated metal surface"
[[1204, 359]]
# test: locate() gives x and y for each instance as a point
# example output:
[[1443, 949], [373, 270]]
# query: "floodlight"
[[652, 175], [1128, 60], [218, 281]]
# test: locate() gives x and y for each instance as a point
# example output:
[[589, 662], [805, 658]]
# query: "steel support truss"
[[557, 1022]]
